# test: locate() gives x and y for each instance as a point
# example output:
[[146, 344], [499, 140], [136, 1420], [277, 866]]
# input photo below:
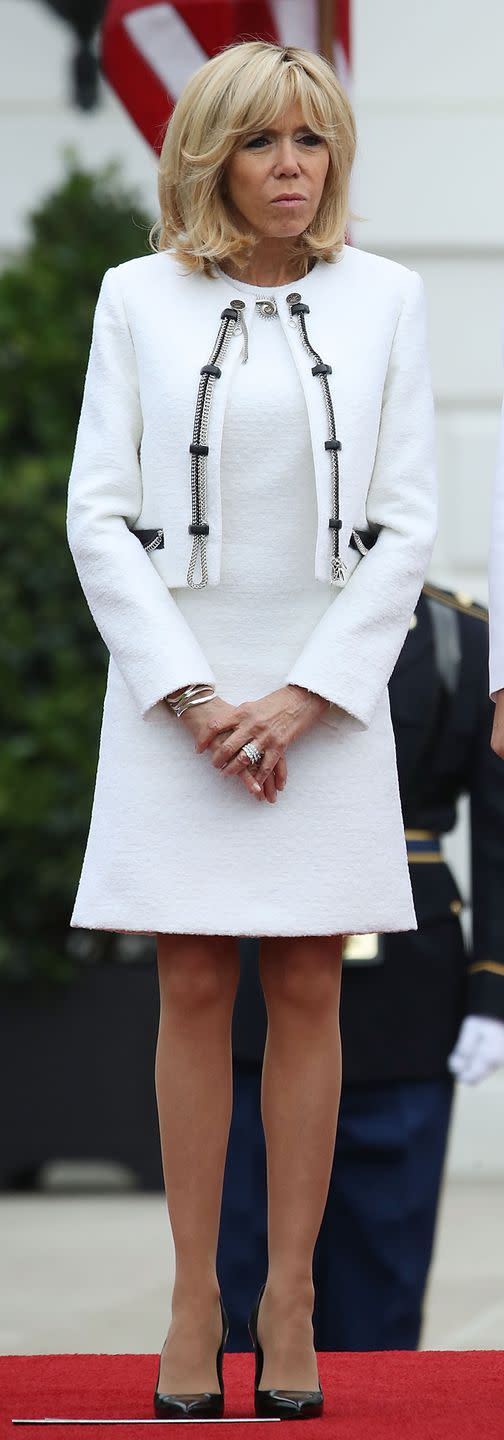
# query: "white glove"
[[479, 1049]]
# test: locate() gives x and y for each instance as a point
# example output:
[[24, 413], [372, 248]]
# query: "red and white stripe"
[[150, 51]]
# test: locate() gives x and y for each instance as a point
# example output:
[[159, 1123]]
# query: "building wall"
[[430, 103], [428, 93]]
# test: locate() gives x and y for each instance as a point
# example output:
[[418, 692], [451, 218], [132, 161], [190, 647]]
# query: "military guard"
[[417, 1009]]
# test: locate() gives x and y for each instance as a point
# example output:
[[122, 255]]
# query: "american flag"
[[150, 51]]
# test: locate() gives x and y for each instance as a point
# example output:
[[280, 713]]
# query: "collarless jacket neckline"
[[312, 290]]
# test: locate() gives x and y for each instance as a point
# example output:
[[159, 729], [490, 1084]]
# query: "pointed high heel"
[[284, 1404], [206, 1406]]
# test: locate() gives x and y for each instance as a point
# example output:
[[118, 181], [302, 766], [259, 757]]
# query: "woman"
[[258, 394]]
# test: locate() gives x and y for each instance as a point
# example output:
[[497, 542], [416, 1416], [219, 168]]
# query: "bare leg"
[[300, 1099], [198, 978]]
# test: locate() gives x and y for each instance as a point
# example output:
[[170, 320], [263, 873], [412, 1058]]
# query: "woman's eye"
[[305, 139]]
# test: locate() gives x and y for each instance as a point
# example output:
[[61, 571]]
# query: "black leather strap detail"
[[368, 538], [151, 537]]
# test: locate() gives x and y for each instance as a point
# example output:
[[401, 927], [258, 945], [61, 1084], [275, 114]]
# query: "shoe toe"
[[289, 1404], [203, 1406]]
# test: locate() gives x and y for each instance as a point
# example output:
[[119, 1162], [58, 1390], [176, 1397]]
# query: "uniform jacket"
[[401, 1012], [155, 328]]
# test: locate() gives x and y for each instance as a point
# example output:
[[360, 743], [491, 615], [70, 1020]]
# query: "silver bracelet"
[[184, 694], [192, 694], [195, 700]]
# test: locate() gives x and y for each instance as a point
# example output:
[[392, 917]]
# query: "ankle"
[[195, 1292], [290, 1291]]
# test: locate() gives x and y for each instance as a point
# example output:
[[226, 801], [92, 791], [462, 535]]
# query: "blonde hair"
[[240, 90]]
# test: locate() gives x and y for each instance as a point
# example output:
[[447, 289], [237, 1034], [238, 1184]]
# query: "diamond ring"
[[251, 750]]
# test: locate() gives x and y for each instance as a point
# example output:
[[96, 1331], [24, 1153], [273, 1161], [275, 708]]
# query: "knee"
[[195, 975], [308, 982]]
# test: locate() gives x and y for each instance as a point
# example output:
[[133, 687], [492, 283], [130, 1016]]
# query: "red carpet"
[[399, 1395]]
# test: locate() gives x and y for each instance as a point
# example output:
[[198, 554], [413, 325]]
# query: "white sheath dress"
[[193, 852]]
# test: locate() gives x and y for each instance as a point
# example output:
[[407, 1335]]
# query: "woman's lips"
[[293, 200]]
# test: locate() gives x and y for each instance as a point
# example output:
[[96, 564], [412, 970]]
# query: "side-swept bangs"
[[243, 89]]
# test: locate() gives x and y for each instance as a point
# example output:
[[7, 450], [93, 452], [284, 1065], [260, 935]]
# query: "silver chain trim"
[[338, 569], [230, 325], [227, 329]]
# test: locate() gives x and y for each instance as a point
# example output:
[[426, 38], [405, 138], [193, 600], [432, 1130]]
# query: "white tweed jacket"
[[496, 573], [155, 328]]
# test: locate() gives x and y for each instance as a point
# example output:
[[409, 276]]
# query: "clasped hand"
[[273, 722]]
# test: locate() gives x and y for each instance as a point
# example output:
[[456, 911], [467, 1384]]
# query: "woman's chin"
[[284, 225]]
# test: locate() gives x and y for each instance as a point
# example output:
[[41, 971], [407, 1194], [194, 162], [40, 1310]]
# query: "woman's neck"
[[266, 269]]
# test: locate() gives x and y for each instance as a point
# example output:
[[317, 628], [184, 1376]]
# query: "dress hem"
[[244, 933]]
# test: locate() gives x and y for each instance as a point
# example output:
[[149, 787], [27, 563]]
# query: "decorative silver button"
[[266, 307]]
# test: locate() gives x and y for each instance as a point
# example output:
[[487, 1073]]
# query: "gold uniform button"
[[413, 622], [463, 599], [456, 906]]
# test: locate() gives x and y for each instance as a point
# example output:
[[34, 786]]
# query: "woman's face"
[[288, 159]]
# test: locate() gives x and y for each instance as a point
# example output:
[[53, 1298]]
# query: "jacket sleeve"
[[351, 653], [138, 618], [496, 572], [485, 995]]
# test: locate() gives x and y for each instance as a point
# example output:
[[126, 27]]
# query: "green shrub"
[[52, 661]]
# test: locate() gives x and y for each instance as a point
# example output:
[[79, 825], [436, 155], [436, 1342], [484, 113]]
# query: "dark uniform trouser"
[[374, 1247]]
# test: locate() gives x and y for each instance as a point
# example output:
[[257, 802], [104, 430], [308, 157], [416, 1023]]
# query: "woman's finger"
[[270, 789], [280, 773], [227, 755], [247, 779], [214, 744], [239, 761], [212, 735], [266, 766]]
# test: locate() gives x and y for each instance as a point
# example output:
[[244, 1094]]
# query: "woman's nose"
[[287, 161]]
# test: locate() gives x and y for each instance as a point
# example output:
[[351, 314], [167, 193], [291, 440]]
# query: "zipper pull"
[[239, 305], [338, 570]]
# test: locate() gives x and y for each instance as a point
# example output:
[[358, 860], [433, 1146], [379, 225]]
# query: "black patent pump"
[[206, 1406], [284, 1404]]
